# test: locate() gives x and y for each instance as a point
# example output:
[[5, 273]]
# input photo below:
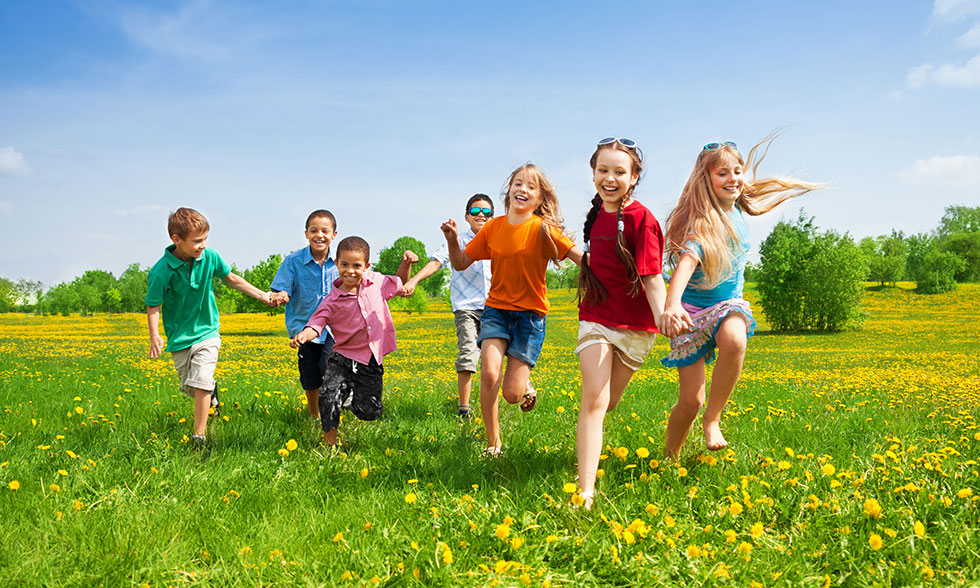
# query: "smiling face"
[[726, 180], [191, 246], [320, 233], [476, 222], [613, 176], [351, 264], [524, 194]]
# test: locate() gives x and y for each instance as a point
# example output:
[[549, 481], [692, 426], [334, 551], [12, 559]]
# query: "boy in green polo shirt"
[[180, 283]]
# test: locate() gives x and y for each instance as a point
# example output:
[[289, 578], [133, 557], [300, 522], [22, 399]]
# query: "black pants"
[[352, 385]]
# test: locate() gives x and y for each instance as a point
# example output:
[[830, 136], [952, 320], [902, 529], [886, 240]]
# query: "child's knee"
[[690, 403]]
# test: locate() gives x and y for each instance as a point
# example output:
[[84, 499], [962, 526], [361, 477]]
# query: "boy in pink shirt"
[[357, 312]]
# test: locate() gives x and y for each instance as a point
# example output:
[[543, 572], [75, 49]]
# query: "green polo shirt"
[[183, 289]]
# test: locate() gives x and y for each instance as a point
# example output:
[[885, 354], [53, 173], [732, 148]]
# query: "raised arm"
[[409, 258], [241, 284], [153, 322], [457, 256]]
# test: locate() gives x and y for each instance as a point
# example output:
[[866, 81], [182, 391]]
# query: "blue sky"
[[391, 114]]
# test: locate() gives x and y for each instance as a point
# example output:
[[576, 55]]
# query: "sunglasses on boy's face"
[[476, 210], [717, 146]]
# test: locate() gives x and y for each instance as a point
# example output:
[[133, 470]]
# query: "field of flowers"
[[854, 461]]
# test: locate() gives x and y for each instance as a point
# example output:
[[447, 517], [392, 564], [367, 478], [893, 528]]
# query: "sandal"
[[530, 398]]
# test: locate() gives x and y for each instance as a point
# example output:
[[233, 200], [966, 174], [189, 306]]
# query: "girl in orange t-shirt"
[[519, 246]]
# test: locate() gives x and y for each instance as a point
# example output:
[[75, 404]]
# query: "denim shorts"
[[312, 360], [522, 329]]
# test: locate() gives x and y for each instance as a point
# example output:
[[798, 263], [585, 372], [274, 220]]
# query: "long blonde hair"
[[548, 209], [700, 217]]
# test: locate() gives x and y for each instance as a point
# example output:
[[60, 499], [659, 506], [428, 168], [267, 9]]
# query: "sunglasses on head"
[[628, 143], [717, 146], [487, 212]]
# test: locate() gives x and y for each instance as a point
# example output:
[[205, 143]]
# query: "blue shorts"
[[522, 329]]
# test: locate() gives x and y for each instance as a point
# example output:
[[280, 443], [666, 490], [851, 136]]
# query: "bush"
[[937, 273], [810, 281]]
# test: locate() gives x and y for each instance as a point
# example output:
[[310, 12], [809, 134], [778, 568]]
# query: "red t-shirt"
[[646, 241]]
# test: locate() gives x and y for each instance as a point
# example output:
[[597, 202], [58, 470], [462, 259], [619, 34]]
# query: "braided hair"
[[590, 289]]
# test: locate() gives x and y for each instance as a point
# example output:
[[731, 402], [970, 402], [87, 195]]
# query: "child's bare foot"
[[713, 437]]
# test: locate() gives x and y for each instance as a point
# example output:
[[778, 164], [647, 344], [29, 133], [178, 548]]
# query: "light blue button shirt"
[[468, 289], [307, 283]]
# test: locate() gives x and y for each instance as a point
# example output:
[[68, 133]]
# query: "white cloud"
[[954, 9], [12, 162], [947, 75], [955, 170], [971, 38]]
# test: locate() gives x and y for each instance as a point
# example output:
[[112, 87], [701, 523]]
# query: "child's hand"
[[450, 230], [410, 256], [278, 298], [156, 346], [302, 337], [408, 288]]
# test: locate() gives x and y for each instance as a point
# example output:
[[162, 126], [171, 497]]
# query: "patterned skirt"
[[700, 343]]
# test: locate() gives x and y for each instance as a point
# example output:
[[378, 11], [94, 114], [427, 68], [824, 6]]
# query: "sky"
[[392, 113]]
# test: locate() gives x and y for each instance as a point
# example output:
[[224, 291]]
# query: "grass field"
[[853, 462]]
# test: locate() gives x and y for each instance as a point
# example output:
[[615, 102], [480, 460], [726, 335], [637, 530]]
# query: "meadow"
[[853, 462]]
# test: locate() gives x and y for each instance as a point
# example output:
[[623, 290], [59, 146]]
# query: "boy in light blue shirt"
[[304, 279]]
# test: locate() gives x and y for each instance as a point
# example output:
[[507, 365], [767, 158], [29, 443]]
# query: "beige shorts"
[[195, 365], [467, 332], [631, 347]]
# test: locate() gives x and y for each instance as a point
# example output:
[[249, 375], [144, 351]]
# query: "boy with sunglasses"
[[468, 291]]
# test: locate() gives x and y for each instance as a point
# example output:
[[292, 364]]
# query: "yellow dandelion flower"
[[338, 537], [872, 508], [651, 509], [77, 504], [784, 465], [502, 531], [642, 452], [730, 536], [569, 488], [447, 555], [681, 472], [71, 454], [551, 538], [364, 472], [54, 488], [736, 509], [508, 520], [758, 530], [927, 572], [744, 547], [79, 409], [965, 492], [292, 445], [62, 472], [410, 498], [621, 452], [413, 481], [284, 452], [828, 469], [13, 485], [693, 551], [919, 528], [560, 409], [875, 541], [517, 542]]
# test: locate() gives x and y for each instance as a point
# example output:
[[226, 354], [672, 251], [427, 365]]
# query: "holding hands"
[[277, 299], [675, 321]]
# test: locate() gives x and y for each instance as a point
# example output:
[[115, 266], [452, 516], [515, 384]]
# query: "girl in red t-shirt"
[[621, 295], [519, 246]]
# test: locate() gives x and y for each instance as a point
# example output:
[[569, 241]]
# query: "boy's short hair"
[[354, 244], [322, 212], [477, 198], [184, 221]]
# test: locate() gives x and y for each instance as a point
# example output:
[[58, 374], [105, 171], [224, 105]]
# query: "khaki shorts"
[[467, 332], [195, 365], [631, 347]]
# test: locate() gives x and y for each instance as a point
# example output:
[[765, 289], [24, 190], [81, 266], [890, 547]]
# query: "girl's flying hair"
[[699, 216], [548, 208], [590, 289]]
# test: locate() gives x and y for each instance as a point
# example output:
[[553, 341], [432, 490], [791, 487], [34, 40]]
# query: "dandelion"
[[736, 509], [291, 445], [77, 504], [919, 528], [693, 551], [54, 488], [71, 454], [784, 465], [560, 409], [681, 472], [410, 498], [551, 538], [517, 542], [875, 541], [642, 452], [965, 492], [744, 547], [447, 555], [569, 488], [730, 536], [62, 473], [828, 469], [927, 572], [13, 485], [284, 452], [338, 537], [413, 481], [508, 520], [872, 508], [621, 452], [758, 530], [364, 472], [502, 532], [79, 409]]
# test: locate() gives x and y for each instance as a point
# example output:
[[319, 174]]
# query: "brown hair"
[[699, 216], [184, 221], [590, 289], [354, 244]]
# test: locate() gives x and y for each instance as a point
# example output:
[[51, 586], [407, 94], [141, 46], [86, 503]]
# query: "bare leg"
[[690, 399], [313, 402], [464, 382], [330, 438], [604, 379], [731, 341], [515, 380], [202, 404], [492, 359]]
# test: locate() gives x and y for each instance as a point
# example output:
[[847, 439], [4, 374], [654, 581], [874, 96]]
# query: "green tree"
[[132, 288], [808, 280], [391, 257], [261, 275], [112, 300], [937, 273], [28, 293], [63, 299], [965, 246], [959, 219], [91, 288], [886, 257], [435, 284], [917, 246], [8, 295], [564, 275]]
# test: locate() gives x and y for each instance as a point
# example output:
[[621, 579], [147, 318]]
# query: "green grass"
[[891, 408]]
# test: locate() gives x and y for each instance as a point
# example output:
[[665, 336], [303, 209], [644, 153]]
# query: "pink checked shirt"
[[361, 323]]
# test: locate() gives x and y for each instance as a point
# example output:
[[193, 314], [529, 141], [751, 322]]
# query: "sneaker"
[[215, 403], [198, 441], [464, 411]]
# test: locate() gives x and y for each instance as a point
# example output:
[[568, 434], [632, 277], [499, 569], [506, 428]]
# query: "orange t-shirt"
[[518, 257]]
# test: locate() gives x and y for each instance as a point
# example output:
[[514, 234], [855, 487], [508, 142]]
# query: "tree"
[[937, 273], [261, 276], [965, 246], [563, 276], [886, 257], [917, 246], [436, 283], [28, 293], [810, 280], [8, 295], [391, 257], [63, 299], [90, 287], [132, 288], [959, 219]]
